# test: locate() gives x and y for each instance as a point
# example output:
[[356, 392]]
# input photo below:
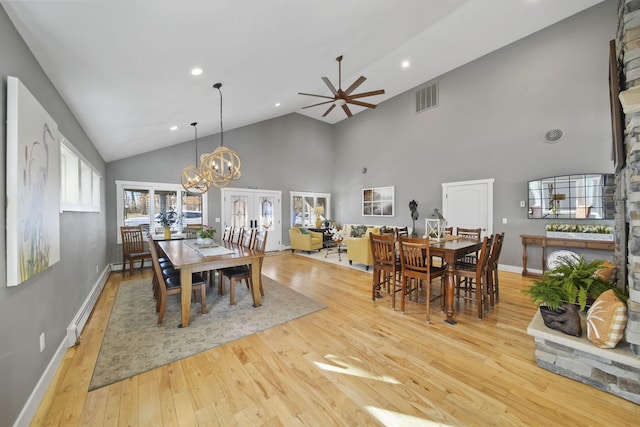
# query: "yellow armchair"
[[359, 248], [304, 240]]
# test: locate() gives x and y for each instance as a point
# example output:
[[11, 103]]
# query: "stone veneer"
[[627, 255], [615, 371]]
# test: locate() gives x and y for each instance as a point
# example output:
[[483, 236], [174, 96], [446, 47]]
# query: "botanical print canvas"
[[33, 174]]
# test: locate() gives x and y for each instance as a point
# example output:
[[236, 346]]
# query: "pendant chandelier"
[[223, 165], [193, 178]]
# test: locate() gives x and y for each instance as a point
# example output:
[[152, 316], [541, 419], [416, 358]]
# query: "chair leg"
[[203, 298], [428, 301], [232, 291], [130, 267], [163, 304]]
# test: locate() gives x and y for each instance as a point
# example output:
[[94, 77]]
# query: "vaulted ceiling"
[[124, 66]]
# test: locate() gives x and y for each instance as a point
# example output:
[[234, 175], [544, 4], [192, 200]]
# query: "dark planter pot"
[[566, 319]]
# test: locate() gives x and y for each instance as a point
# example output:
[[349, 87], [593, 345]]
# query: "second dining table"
[[450, 250], [188, 257]]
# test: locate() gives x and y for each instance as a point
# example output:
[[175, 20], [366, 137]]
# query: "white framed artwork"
[[33, 176], [378, 201]]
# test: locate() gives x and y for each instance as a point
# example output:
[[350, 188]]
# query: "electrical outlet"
[[217, 219], [41, 342], [97, 268], [522, 204], [504, 220]]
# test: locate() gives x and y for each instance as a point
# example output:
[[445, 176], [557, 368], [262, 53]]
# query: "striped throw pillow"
[[606, 320]]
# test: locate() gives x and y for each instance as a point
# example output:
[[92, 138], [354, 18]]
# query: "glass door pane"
[[136, 208], [239, 204], [265, 212]]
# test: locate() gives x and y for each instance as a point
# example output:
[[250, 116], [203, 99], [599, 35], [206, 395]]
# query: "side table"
[[336, 244]]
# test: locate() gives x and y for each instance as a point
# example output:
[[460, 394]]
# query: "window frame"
[[151, 187], [87, 193]]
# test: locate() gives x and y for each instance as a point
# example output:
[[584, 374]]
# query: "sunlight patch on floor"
[[395, 419], [349, 369]]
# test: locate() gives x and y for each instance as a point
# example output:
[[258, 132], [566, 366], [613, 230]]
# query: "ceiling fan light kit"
[[342, 98]]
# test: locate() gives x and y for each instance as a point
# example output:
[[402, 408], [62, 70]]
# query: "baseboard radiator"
[[80, 319]]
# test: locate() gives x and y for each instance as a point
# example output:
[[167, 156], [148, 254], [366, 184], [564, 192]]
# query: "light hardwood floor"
[[354, 363]]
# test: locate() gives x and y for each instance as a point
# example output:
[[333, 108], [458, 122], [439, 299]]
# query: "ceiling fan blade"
[[346, 110], [317, 96], [363, 94], [331, 87], [320, 103], [355, 84], [362, 104], [329, 110]]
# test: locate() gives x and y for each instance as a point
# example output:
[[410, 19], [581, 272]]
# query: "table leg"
[[185, 296], [524, 257], [256, 281], [450, 289]]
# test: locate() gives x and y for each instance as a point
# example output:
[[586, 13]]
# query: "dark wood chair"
[[228, 232], [243, 273], [402, 231], [386, 266], [493, 285], [416, 270], [448, 231], [469, 233], [170, 284], [191, 231], [471, 279], [133, 247]]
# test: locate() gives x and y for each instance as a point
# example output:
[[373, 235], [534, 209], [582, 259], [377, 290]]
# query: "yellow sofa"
[[359, 248], [303, 239]]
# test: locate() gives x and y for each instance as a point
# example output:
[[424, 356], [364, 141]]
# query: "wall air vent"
[[427, 98]]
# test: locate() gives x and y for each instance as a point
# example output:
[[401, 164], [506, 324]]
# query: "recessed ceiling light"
[[173, 128], [406, 64], [277, 104], [196, 71]]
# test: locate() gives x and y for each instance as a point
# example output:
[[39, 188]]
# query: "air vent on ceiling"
[[427, 98]]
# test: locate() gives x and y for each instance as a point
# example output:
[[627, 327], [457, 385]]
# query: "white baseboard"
[[75, 327], [35, 399]]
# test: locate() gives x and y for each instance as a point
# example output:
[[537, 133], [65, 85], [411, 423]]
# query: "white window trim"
[[96, 178], [151, 187]]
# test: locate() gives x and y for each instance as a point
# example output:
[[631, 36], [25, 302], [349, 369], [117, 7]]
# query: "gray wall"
[[289, 153], [48, 302], [490, 123], [493, 113]]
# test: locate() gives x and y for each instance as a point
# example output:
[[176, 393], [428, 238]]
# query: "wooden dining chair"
[[471, 279], [227, 233], [237, 234], [416, 270], [243, 273], [386, 266], [191, 231], [170, 285], [493, 285], [448, 231], [133, 247], [402, 231], [469, 233]]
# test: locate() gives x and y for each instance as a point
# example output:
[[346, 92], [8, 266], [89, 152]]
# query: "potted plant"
[[205, 235], [167, 218], [566, 290]]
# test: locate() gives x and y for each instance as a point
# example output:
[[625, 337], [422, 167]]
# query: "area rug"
[[134, 343], [332, 258]]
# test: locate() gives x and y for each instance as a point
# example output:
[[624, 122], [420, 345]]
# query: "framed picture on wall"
[[378, 201]]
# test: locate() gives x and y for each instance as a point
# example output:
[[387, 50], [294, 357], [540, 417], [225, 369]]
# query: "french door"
[[259, 209]]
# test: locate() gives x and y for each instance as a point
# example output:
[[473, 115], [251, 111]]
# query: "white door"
[[260, 209], [469, 204]]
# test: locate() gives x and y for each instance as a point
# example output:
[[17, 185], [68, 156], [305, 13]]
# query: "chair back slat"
[[414, 255], [260, 241], [248, 238], [383, 248], [132, 239], [192, 230], [228, 232], [470, 233], [236, 237]]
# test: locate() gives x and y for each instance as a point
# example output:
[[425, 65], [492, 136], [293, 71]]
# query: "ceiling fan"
[[343, 97]]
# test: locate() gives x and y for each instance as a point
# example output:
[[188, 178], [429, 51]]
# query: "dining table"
[[189, 257], [450, 249]]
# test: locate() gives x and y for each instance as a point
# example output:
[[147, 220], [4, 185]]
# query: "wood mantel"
[[544, 241]]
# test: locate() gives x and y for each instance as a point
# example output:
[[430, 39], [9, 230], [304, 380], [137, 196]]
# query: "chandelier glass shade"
[[193, 179]]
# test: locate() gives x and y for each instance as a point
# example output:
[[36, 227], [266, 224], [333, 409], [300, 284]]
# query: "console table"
[[545, 241]]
